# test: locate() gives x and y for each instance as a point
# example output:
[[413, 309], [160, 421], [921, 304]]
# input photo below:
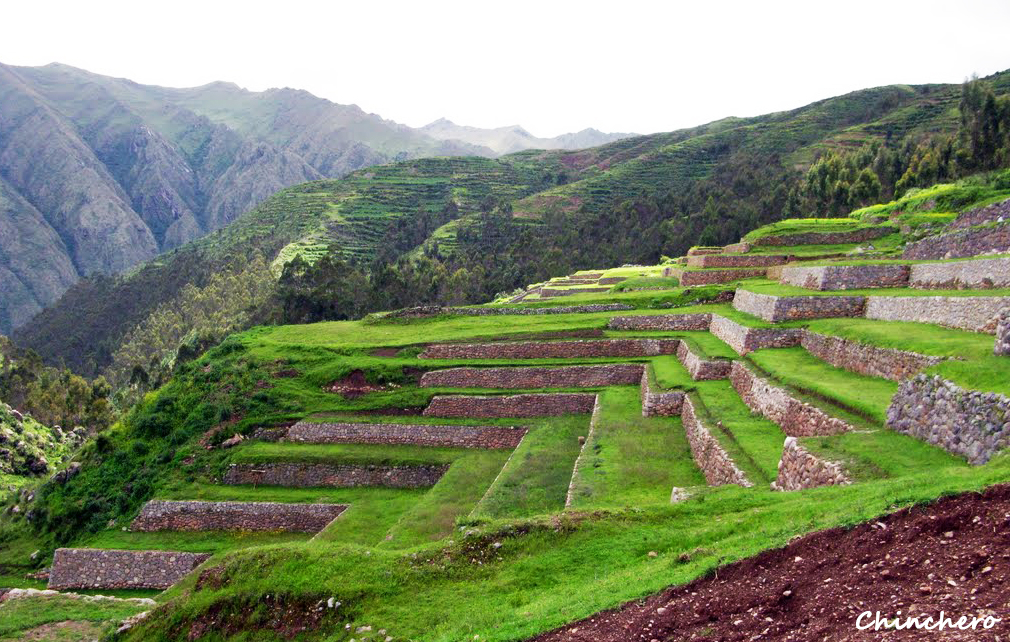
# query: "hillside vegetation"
[[98, 174], [463, 230]]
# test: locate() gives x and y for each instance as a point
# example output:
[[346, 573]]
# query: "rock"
[[234, 440]]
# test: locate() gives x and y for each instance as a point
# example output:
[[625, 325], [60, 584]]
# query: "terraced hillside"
[[631, 200], [528, 463]]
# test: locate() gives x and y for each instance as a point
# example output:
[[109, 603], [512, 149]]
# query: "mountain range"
[[98, 174], [626, 201]]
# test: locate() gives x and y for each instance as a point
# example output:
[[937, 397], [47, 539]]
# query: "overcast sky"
[[550, 66]]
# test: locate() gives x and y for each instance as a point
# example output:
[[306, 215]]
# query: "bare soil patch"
[[951, 556]]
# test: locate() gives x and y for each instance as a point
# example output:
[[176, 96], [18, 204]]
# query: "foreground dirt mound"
[[951, 556]]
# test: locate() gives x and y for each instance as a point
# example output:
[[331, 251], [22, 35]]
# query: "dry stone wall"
[[702, 369], [744, 339], [737, 248], [662, 322], [449, 436], [973, 424], [896, 365], [972, 241], [971, 275], [708, 454], [716, 276], [794, 308], [94, 568], [799, 469], [981, 215], [973, 313], [826, 238], [526, 405], [656, 403], [552, 349], [736, 260], [846, 277], [1002, 348], [795, 417], [167, 515], [535, 377], [549, 293], [309, 475]]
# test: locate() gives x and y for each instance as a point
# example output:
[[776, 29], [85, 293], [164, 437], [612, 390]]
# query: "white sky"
[[551, 66]]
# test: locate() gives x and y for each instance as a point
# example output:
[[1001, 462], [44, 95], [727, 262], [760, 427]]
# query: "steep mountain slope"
[[119, 172], [627, 201], [505, 140]]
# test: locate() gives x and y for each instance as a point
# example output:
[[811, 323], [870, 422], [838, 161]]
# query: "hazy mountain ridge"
[[514, 138], [98, 174]]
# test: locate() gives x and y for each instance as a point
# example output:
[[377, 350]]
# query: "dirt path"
[[951, 556]]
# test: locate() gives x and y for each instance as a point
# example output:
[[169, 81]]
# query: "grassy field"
[[27, 618]]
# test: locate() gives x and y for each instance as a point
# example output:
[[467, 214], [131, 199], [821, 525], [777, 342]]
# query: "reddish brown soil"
[[354, 385], [951, 556]]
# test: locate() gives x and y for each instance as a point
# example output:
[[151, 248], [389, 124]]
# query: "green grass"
[[647, 283], [795, 367], [987, 374], [456, 494], [630, 460], [360, 454], [753, 442], [881, 453], [535, 479], [775, 288], [804, 225], [189, 542], [549, 572], [92, 618], [924, 338]]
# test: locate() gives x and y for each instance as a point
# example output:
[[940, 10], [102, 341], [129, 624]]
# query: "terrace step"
[[736, 260], [796, 417], [593, 376], [866, 359], [699, 367], [973, 313], [502, 406], [793, 308], [435, 435], [552, 349], [976, 274], [96, 568], [714, 276], [800, 469], [745, 339], [325, 475], [845, 277], [171, 515]]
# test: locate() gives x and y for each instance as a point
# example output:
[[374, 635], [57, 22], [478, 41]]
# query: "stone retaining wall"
[[527, 405], [612, 280], [662, 322], [422, 312], [793, 308], [846, 277], [736, 260], [973, 313], [167, 515], [799, 469], [826, 238], [717, 275], [622, 374], [708, 454], [896, 365], [490, 437], [968, 275], [1002, 348], [702, 369], [552, 349], [744, 339], [593, 421], [659, 404], [308, 475], [973, 424], [972, 241], [795, 417], [737, 248], [549, 293], [980, 215], [94, 568], [701, 251]]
